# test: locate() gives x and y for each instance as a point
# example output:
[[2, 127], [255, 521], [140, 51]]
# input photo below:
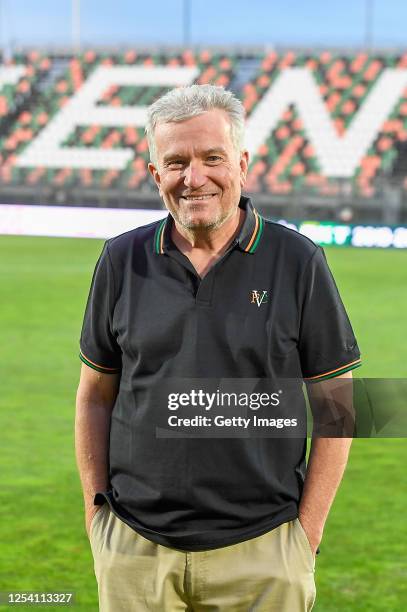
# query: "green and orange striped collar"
[[248, 239]]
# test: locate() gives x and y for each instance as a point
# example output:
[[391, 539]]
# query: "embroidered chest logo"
[[259, 297]]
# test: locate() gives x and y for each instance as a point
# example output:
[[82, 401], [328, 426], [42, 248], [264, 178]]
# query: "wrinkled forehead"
[[205, 132]]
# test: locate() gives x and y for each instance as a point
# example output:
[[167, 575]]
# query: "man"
[[213, 291]]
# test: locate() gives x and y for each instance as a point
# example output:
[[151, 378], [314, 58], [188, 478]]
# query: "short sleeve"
[[98, 345], [327, 345]]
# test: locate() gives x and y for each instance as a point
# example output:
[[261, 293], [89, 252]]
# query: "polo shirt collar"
[[252, 228], [247, 240]]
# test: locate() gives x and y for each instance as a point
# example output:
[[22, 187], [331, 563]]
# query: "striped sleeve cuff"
[[97, 367], [337, 372]]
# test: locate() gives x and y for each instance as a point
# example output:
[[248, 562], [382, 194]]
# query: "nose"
[[194, 175]]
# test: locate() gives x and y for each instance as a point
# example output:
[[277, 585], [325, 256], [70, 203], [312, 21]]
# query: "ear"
[[244, 166], [156, 176]]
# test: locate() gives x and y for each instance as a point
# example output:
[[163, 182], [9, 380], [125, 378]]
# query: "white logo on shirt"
[[259, 297]]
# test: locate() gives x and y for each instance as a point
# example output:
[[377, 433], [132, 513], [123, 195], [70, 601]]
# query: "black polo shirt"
[[268, 309]]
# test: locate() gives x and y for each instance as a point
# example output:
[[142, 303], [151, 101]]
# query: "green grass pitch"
[[44, 285]]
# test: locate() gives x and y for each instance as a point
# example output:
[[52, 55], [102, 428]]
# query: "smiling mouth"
[[198, 198]]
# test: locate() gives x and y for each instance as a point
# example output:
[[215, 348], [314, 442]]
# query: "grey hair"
[[186, 102]]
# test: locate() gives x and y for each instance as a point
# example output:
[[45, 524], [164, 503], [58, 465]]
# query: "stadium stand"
[[326, 100], [38, 113], [19, 80], [287, 161]]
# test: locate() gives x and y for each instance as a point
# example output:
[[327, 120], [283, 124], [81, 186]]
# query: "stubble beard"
[[192, 225], [187, 222]]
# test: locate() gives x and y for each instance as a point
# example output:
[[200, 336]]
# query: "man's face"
[[199, 173]]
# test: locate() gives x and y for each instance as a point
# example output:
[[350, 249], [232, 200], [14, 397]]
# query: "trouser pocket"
[[305, 542], [95, 521]]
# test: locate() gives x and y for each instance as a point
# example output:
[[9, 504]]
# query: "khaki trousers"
[[271, 573]]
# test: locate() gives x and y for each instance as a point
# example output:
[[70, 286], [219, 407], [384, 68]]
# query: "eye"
[[174, 163], [214, 158]]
